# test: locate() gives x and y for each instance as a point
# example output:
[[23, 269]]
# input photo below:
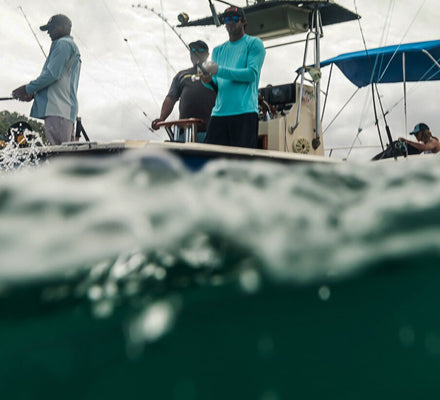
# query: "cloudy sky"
[[129, 56]]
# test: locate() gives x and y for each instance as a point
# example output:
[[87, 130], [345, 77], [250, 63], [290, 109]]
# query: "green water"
[[241, 281]]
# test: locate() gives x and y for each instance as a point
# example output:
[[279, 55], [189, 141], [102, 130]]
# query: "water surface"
[[132, 276]]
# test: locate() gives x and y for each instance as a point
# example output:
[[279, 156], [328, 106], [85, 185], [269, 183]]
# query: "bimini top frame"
[[276, 18]]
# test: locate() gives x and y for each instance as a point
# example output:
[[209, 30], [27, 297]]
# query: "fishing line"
[[340, 111], [372, 68], [166, 59], [394, 54], [165, 44], [374, 87], [387, 27], [403, 38], [132, 54]]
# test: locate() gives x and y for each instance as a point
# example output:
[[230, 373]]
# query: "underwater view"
[[133, 277]]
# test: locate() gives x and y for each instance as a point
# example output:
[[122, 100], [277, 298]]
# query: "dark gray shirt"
[[196, 101]]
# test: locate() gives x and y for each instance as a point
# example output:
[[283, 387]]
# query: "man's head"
[[422, 133], [58, 26], [235, 21], [199, 51], [419, 128]]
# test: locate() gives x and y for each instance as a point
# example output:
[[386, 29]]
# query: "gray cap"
[[57, 20]]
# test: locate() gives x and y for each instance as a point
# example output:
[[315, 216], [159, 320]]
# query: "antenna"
[[214, 14]]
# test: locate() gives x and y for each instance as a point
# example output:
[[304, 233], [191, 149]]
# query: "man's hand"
[[210, 67], [206, 78], [21, 94], [155, 122]]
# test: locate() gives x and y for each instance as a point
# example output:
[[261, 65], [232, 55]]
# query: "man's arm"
[[250, 73], [167, 108], [57, 61], [420, 146]]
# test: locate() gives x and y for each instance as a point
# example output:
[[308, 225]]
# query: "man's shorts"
[[234, 130], [58, 130]]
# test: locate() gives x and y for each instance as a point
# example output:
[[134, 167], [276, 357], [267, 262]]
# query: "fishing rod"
[[33, 33], [164, 20], [6, 98], [214, 13]]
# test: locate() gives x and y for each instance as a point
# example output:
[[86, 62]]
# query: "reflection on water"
[[134, 272]]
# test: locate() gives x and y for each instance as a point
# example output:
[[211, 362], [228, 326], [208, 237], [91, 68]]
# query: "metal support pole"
[[404, 91], [176, 133], [194, 133], [318, 33], [301, 89], [432, 58], [187, 130]]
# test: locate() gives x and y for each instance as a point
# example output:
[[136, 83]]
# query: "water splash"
[[14, 156]]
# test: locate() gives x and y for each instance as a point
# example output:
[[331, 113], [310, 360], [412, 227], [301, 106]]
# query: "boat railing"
[[188, 127]]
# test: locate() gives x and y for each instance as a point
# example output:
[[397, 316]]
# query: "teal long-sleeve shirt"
[[239, 67], [55, 90]]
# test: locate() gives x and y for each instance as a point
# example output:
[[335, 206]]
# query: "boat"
[[292, 133]]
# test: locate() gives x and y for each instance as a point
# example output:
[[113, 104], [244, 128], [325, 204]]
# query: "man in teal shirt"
[[55, 91], [235, 72]]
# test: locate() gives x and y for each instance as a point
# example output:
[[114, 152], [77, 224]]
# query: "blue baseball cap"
[[418, 128], [199, 45]]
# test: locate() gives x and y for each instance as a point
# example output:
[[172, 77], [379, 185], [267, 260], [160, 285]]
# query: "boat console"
[[292, 128]]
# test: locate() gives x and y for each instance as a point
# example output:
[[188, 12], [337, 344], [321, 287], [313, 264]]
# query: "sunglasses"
[[234, 19], [197, 50]]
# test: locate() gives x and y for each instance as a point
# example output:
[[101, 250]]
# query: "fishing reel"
[[201, 69], [196, 77], [183, 18], [401, 148]]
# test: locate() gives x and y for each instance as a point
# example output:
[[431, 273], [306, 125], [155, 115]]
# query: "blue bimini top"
[[385, 64]]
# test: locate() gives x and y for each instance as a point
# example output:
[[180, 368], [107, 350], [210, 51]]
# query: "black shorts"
[[234, 130]]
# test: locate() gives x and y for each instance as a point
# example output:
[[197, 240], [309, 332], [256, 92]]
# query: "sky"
[[130, 55]]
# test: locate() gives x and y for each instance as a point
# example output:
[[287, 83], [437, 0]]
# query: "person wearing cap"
[[196, 101], [235, 69], [55, 91], [426, 142]]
